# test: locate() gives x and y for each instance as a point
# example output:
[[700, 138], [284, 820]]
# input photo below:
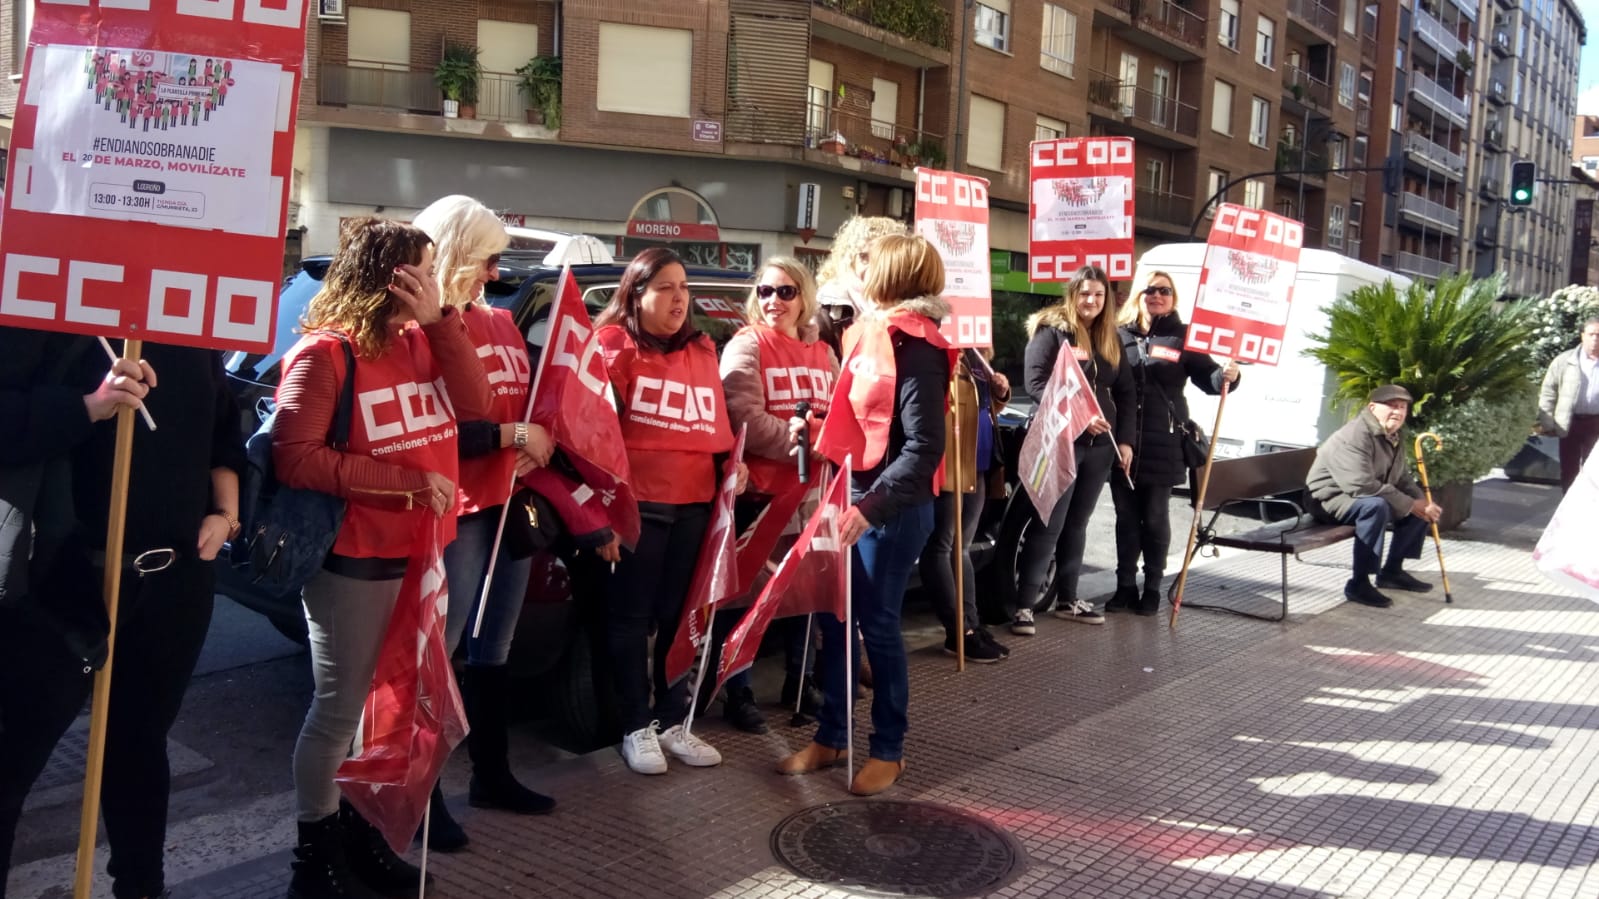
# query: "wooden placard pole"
[[958, 553], [1199, 507], [89, 822]]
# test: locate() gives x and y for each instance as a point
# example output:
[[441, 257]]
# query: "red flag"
[[756, 544], [1046, 462], [715, 576], [572, 400], [811, 578], [413, 716]]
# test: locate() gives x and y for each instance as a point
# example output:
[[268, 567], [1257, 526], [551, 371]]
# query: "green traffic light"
[[1523, 195]]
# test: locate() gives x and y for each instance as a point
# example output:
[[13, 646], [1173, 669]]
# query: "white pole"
[[705, 659], [427, 824], [849, 646], [805, 657]]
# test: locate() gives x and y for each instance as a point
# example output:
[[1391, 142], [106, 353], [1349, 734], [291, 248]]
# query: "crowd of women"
[[401, 312]]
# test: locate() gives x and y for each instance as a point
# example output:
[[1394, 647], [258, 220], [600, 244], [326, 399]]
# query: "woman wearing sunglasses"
[[1152, 336], [769, 368], [468, 239]]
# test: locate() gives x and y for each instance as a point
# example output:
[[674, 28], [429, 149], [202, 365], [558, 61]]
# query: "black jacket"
[[1113, 384], [1160, 367], [904, 477]]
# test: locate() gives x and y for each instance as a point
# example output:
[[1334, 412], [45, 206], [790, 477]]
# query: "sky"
[[1588, 74]]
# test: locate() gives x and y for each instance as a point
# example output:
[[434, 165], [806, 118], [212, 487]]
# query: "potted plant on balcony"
[[835, 143], [1464, 360], [457, 77], [541, 83]]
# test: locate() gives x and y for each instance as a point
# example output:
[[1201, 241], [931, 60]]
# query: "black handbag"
[[1195, 445], [288, 532], [531, 524]]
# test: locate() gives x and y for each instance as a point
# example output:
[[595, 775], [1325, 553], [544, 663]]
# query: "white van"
[[1284, 406]]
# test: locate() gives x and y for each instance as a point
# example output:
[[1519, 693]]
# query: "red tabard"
[[864, 396], [486, 480], [402, 416], [674, 419], [791, 370]]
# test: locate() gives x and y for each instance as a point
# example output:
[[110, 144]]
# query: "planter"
[[535, 116], [452, 109], [468, 110], [834, 146], [1456, 502]]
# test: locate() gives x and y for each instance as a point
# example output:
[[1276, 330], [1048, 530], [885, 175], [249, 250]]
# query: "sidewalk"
[[1423, 750]]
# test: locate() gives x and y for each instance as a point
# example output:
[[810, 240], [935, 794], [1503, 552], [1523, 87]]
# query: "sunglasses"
[[863, 258], [1157, 291], [785, 292], [492, 261]]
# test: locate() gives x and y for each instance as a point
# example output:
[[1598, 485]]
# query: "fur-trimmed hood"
[[1051, 316], [933, 307]]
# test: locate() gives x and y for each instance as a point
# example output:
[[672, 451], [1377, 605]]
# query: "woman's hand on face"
[[126, 384], [852, 525], [1125, 451], [440, 496], [214, 530], [418, 294], [1230, 373]]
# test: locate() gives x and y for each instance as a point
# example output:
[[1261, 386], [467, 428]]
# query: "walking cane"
[[1421, 466]]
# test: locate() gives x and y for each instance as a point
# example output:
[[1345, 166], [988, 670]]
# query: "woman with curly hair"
[[840, 279]]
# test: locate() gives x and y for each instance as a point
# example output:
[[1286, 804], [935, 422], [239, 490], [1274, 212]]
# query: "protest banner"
[[952, 214], [715, 580], [1080, 208], [1047, 462]]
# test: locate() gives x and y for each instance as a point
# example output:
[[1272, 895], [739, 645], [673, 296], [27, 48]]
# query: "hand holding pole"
[[1421, 467]]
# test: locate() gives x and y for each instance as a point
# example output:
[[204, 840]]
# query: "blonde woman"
[[468, 238], [1152, 336], [840, 279]]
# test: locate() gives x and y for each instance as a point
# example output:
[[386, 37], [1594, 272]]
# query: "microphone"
[[803, 410]]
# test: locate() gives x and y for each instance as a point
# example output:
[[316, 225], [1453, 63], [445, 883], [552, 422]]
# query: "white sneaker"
[[689, 749], [1080, 612], [641, 749], [1022, 624]]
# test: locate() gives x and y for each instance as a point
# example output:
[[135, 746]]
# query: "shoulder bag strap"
[[339, 433]]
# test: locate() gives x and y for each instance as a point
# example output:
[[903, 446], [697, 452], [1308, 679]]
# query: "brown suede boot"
[[876, 776], [814, 757]]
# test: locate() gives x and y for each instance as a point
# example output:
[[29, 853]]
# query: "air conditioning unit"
[[330, 10]]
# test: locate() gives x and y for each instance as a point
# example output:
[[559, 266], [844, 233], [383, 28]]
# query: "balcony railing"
[[1468, 8], [1500, 42], [1368, 46], [1305, 86], [867, 138], [1434, 212], [1294, 157], [1493, 136], [1496, 92], [1487, 235], [1169, 20], [1352, 247], [359, 83], [1433, 32], [1490, 186], [1362, 114], [1145, 106], [1429, 151], [1436, 94], [1422, 266], [925, 21], [1315, 15], [1166, 208]]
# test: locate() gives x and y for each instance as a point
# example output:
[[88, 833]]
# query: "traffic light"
[[1522, 177]]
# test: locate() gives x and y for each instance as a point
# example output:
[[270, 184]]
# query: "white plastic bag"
[[1565, 553]]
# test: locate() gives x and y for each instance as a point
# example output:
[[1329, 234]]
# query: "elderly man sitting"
[[1360, 478]]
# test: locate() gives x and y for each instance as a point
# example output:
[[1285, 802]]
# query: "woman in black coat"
[[1152, 341]]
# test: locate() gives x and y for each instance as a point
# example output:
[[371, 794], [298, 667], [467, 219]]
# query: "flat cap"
[[1388, 393]]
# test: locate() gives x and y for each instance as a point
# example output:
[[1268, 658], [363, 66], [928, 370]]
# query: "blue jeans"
[[1370, 515], [465, 564], [881, 567]]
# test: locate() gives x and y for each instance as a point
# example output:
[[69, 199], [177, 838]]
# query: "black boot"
[[444, 832], [1125, 599], [321, 870], [371, 858], [487, 692], [1149, 601], [739, 709]]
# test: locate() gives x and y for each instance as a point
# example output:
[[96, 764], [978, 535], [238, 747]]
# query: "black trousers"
[[1575, 448], [937, 562], [1065, 535], [1143, 527], [162, 622], [648, 590]]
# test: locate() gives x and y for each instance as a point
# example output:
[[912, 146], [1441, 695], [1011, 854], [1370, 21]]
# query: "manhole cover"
[[897, 849]]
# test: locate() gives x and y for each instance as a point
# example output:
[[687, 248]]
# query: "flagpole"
[[505, 507], [705, 659], [957, 554], [427, 825], [849, 647], [1199, 507], [805, 657]]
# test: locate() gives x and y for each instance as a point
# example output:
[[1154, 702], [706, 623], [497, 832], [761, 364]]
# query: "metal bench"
[[1264, 481]]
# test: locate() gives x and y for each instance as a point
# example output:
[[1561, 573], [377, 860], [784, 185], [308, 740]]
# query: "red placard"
[[151, 158], [952, 213], [1080, 208], [1246, 285]]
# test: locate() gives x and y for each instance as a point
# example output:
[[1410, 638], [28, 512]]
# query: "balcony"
[[1435, 156], [1362, 115], [1487, 235], [1163, 26], [1315, 15], [1493, 136], [1497, 93], [362, 84], [1421, 266], [1499, 43], [913, 33], [1508, 4], [1352, 247], [1489, 187], [1368, 47], [1166, 120], [1296, 163], [1425, 212], [1436, 96], [1431, 30], [834, 133], [1306, 88], [1468, 8], [1163, 209]]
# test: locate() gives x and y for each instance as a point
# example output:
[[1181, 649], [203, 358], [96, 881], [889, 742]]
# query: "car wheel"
[[1018, 520], [584, 699]]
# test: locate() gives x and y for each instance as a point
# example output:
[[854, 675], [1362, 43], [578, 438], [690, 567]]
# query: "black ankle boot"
[[486, 691], [371, 859], [740, 710], [1149, 601], [1123, 600], [444, 833], [321, 869]]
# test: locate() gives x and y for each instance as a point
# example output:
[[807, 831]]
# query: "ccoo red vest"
[[863, 400], [486, 480], [402, 416], [674, 418], [791, 370]]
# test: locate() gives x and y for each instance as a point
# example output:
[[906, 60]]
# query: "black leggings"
[[1143, 525], [1066, 535], [937, 562]]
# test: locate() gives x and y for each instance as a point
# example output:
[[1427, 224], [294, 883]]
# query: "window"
[[1228, 34], [1049, 129], [1058, 44], [1155, 175], [1351, 15], [379, 38], [1160, 87], [885, 108], [1361, 146], [1335, 226], [1259, 121], [645, 70], [985, 146], [1590, 164], [818, 97], [1346, 85], [1266, 42], [1396, 120], [503, 46], [992, 29], [1255, 194], [1337, 153], [1213, 185], [1221, 109]]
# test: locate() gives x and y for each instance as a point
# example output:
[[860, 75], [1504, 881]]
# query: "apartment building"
[[1584, 169]]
